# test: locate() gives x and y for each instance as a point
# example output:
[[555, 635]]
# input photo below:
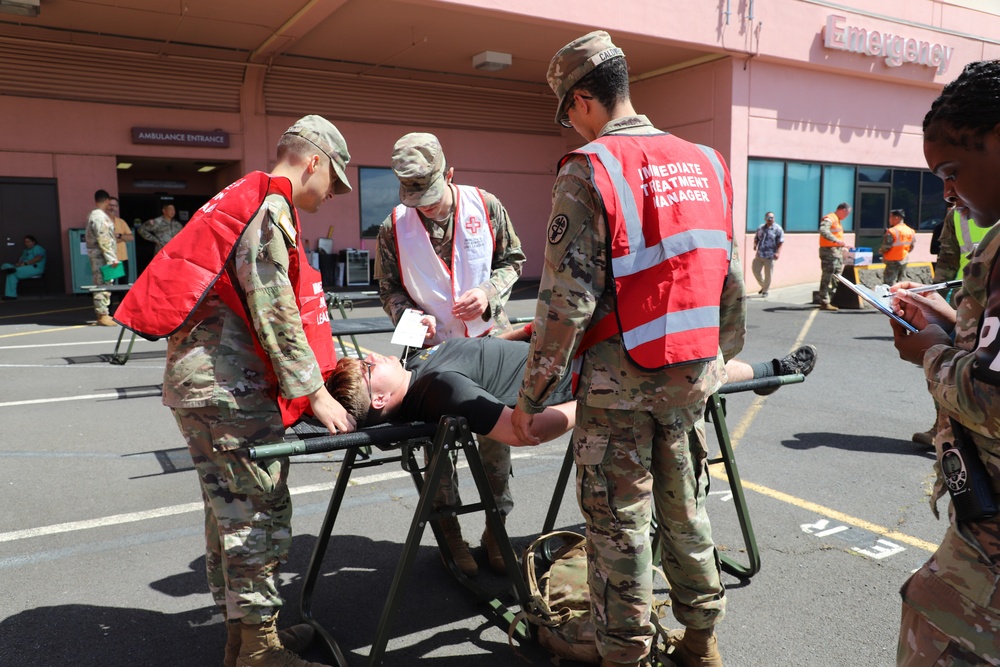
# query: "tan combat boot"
[[261, 647], [459, 547], [695, 648], [296, 639], [493, 549], [105, 321]]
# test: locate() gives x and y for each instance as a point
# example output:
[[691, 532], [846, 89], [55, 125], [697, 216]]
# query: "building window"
[[801, 192], [378, 190], [802, 197], [765, 191]]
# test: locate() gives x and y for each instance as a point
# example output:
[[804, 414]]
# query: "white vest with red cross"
[[667, 203], [433, 285]]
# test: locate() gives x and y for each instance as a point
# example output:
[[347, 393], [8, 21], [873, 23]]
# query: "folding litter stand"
[[715, 412], [452, 434]]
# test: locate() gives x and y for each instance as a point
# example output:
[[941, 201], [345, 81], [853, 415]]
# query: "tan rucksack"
[[555, 569]]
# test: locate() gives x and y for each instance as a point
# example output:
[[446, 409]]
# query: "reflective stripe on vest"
[[968, 234], [667, 289], [902, 236]]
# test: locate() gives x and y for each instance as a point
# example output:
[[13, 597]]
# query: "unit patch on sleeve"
[[557, 228]]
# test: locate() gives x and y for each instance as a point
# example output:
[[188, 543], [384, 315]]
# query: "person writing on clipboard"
[[951, 605]]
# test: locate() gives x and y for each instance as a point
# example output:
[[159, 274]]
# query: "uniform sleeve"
[[147, 230], [508, 258], [733, 310], [391, 292], [824, 230], [105, 238], [572, 281], [886, 244], [946, 267], [262, 270]]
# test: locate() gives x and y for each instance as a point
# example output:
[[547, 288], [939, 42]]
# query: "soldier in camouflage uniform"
[[951, 605], [639, 441], [102, 251], [831, 253], [161, 229], [223, 395], [426, 186]]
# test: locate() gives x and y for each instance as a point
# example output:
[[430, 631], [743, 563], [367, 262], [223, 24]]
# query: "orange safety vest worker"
[[836, 228], [194, 262], [902, 238], [670, 238]]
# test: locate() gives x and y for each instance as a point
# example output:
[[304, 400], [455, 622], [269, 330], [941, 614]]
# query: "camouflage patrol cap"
[[418, 162], [325, 136], [575, 61]]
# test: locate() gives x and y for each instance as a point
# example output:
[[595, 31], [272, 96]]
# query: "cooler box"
[[858, 256]]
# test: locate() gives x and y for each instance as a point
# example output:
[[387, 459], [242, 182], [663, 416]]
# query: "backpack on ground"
[[555, 570]]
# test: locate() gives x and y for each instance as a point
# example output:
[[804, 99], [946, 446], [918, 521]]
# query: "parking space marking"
[[41, 331], [132, 517], [85, 342], [47, 312]]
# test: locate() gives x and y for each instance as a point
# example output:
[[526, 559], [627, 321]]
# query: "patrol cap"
[[325, 136], [418, 162], [576, 60]]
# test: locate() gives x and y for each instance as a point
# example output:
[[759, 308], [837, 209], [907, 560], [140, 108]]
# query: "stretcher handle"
[[383, 434], [758, 383]]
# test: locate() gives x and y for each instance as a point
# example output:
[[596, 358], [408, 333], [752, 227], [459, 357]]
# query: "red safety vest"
[[667, 203], [169, 290], [902, 237], [836, 228]]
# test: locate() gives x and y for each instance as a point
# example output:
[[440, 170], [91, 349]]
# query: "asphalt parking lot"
[[101, 547]]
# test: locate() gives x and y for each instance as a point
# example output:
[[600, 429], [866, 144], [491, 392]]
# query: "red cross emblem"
[[472, 224]]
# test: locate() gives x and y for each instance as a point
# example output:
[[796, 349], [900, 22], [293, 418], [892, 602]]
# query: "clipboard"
[[882, 303], [109, 273]]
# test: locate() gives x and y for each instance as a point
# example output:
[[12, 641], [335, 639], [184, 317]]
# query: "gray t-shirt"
[[473, 378]]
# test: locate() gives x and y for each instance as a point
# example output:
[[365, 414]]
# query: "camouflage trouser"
[[627, 464], [951, 608], [102, 300], [248, 510], [893, 273], [496, 460], [832, 263]]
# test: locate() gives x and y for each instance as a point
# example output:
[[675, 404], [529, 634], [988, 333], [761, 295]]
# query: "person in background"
[[244, 333], [643, 385], [897, 244], [831, 255], [161, 229], [451, 252], [767, 242], [951, 605], [123, 234], [100, 240], [31, 263]]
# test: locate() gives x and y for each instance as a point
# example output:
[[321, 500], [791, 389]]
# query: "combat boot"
[[493, 549], [261, 647], [695, 648], [458, 546], [105, 321], [296, 639]]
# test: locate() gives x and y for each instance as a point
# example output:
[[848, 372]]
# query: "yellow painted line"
[[45, 312], [41, 331], [737, 434]]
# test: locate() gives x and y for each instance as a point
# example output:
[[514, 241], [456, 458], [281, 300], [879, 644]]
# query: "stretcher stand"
[[450, 435], [118, 358], [715, 412], [343, 302]]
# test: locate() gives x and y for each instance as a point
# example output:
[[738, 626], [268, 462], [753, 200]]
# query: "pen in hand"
[[933, 288]]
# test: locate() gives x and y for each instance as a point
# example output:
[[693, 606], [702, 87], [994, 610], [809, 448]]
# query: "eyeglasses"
[[564, 121], [769, 218], [368, 365]]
